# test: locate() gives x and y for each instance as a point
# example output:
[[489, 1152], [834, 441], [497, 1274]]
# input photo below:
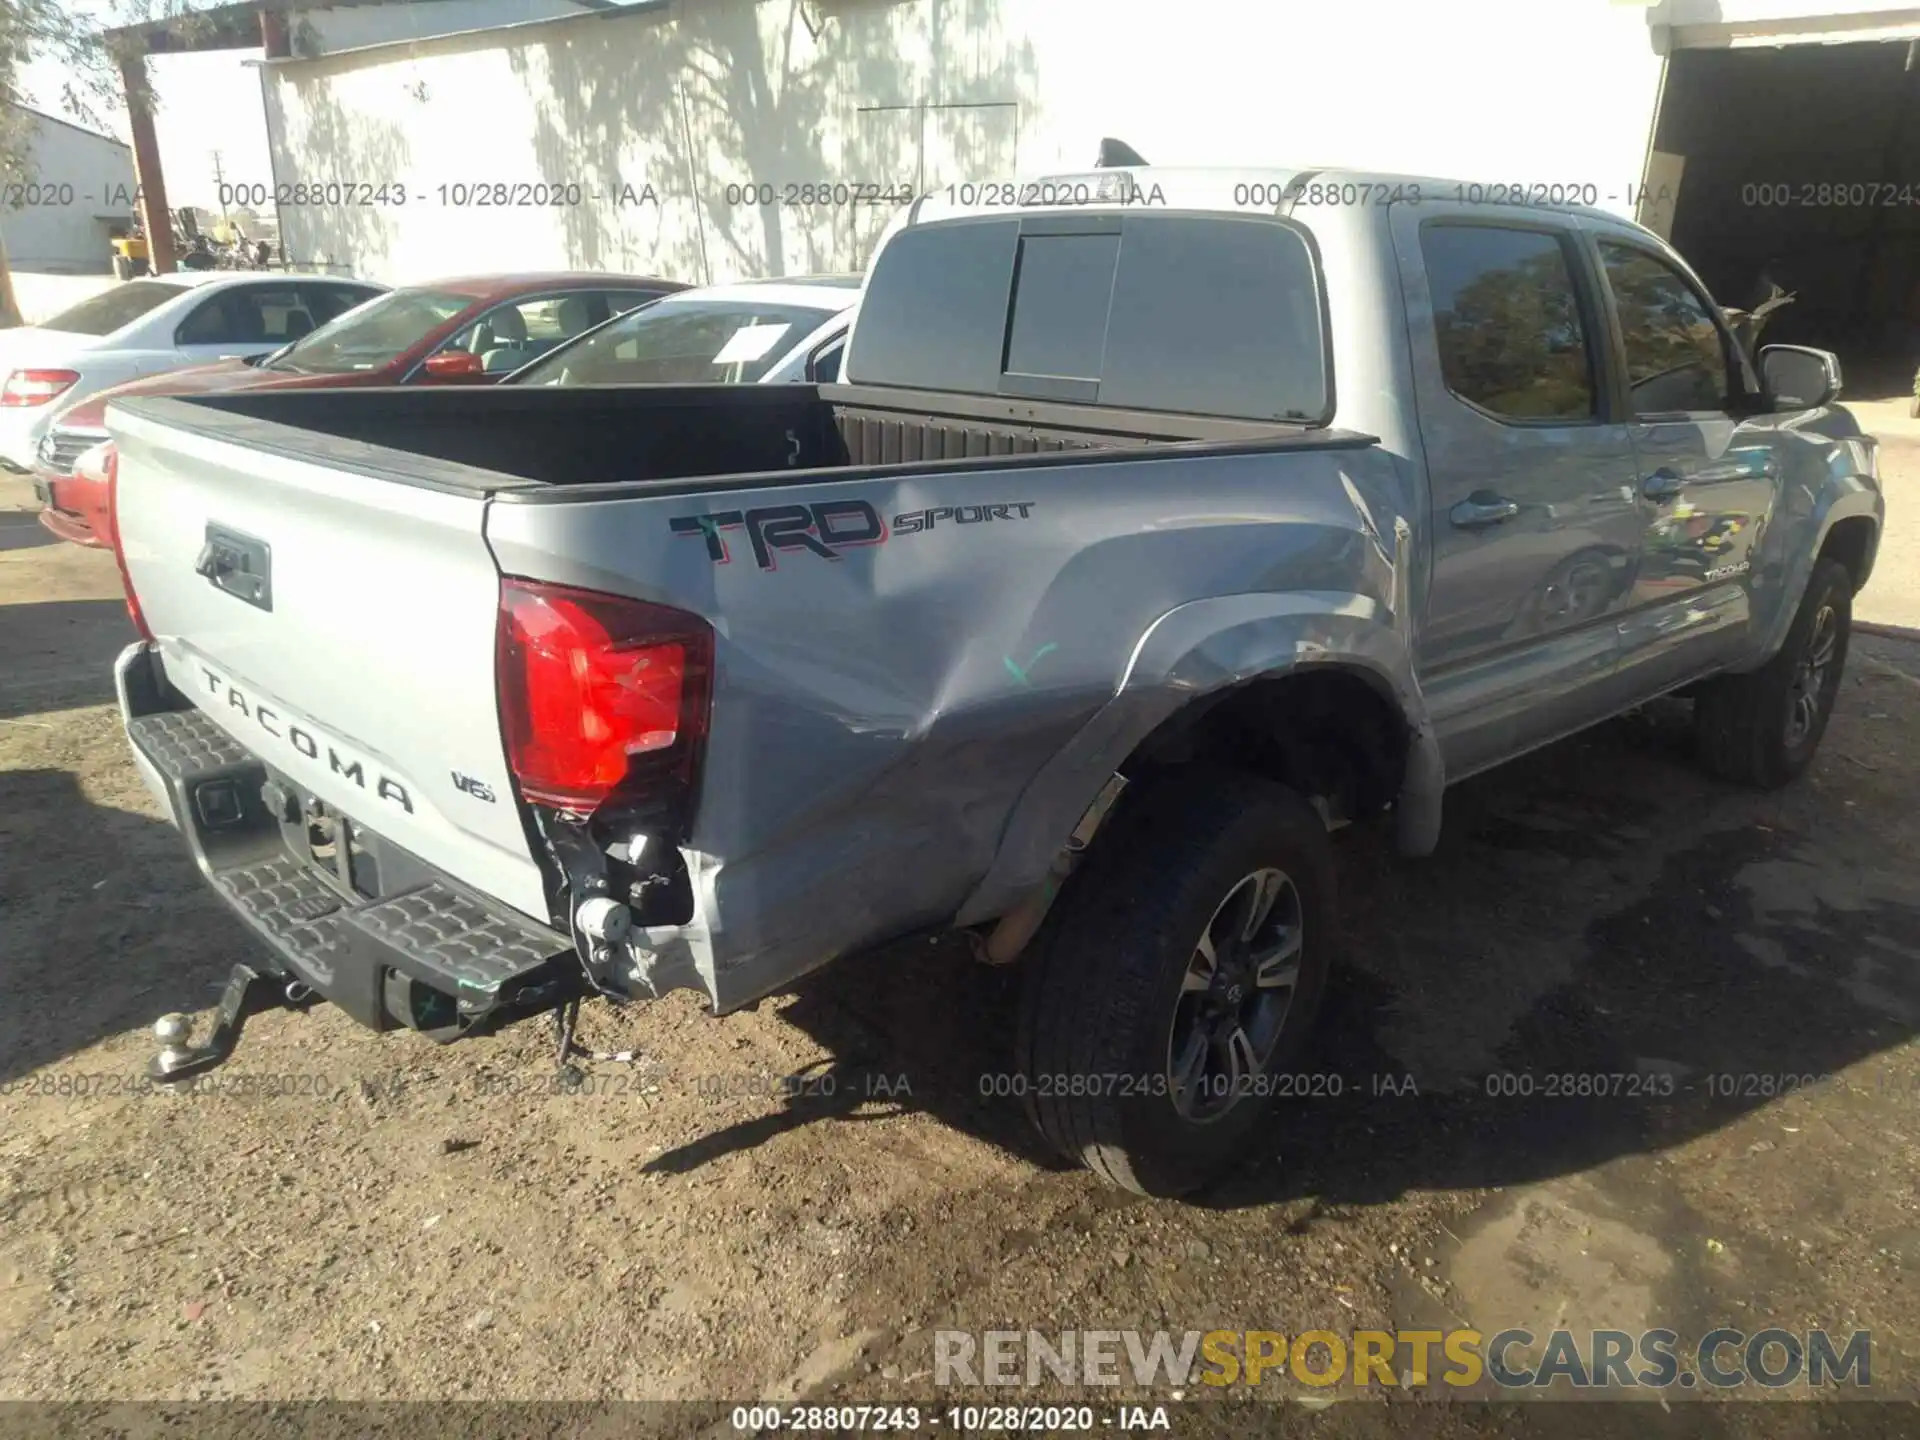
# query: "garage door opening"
[[1801, 167]]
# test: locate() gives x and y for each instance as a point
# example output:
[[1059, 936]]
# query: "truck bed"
[[657, 439], [924, 601]]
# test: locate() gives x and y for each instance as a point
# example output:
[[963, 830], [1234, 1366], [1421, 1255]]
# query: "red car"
[[451, 332]]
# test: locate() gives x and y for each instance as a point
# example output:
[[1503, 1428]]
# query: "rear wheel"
[[1179, 974], [1763, 728]]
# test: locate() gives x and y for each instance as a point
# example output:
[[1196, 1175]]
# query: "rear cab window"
[[1183, 312]]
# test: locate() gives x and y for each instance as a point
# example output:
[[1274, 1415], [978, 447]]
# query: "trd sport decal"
[[830, 526]]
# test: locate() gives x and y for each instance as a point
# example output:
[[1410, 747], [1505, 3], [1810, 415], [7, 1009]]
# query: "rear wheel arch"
[[1144, 725], [1330, 733]]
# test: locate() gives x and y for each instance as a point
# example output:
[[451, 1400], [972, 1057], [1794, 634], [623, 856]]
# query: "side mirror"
[[453, 365], [1798, 377]]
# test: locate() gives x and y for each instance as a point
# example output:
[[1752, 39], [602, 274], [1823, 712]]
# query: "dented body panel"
[[927, 671], [881, 717]]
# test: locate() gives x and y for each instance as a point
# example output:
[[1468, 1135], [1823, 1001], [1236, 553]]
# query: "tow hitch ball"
[[248, 992]]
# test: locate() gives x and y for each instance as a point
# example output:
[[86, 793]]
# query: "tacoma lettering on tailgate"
[[306, 743]]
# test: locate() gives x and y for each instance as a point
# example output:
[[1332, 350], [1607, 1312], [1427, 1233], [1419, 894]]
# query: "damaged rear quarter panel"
[[879, 713]]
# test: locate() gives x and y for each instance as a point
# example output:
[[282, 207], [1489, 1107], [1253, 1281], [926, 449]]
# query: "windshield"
[[371, 335], [106, 312], [680, 341]]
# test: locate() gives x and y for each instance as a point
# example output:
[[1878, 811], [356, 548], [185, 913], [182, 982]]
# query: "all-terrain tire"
[[1105, 974], [1745, 726]]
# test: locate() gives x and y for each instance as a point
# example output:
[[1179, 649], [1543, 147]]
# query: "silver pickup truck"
[[1165, 522]]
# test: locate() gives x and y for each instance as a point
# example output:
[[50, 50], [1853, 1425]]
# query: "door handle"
[[1662, 484], [1482, 508]]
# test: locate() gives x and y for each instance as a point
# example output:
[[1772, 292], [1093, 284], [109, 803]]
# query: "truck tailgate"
[[364, 667]]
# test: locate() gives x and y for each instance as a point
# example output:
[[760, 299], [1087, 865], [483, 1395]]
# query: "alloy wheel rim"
[[1235, 995], [1810, 677]]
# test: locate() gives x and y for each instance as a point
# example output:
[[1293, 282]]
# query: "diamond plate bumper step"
[[432, 956]]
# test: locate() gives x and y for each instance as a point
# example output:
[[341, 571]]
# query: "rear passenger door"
[[1706, 480], [1535, 525]]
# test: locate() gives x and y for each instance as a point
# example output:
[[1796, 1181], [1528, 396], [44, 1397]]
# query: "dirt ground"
[[421, 1222]]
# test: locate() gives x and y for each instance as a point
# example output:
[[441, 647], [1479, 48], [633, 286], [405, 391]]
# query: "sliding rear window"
[[1201, 314]]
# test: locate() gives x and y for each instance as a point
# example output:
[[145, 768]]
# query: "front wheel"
[[1763, 728], [1177, 979]]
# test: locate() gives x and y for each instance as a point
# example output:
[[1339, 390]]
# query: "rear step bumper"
[[428, 954]]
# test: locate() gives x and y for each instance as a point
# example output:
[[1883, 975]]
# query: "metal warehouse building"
[[647, 136]]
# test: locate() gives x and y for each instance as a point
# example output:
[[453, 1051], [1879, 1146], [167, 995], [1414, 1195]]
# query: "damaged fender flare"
[[1189, 655]]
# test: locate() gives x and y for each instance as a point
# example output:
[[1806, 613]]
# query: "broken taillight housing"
[[602, 698], [101, 466]]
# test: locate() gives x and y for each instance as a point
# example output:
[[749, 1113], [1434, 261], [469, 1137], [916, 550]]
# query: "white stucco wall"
[[729, 92], [71, 182]]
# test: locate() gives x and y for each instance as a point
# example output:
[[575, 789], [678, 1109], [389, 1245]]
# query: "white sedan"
[[153, 324], [754, 332]]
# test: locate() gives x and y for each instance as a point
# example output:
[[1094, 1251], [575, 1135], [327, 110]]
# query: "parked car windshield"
[[370, 335], [682, 342], [106, 312]]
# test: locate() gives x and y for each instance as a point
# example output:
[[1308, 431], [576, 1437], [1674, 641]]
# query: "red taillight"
[[102, 463], [602, 696], [36, 387]]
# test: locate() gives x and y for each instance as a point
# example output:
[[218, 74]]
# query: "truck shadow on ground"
[[86, 955], [57, 654], [1610, 955]]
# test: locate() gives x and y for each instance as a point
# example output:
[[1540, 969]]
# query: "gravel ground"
[[360, 1216]]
